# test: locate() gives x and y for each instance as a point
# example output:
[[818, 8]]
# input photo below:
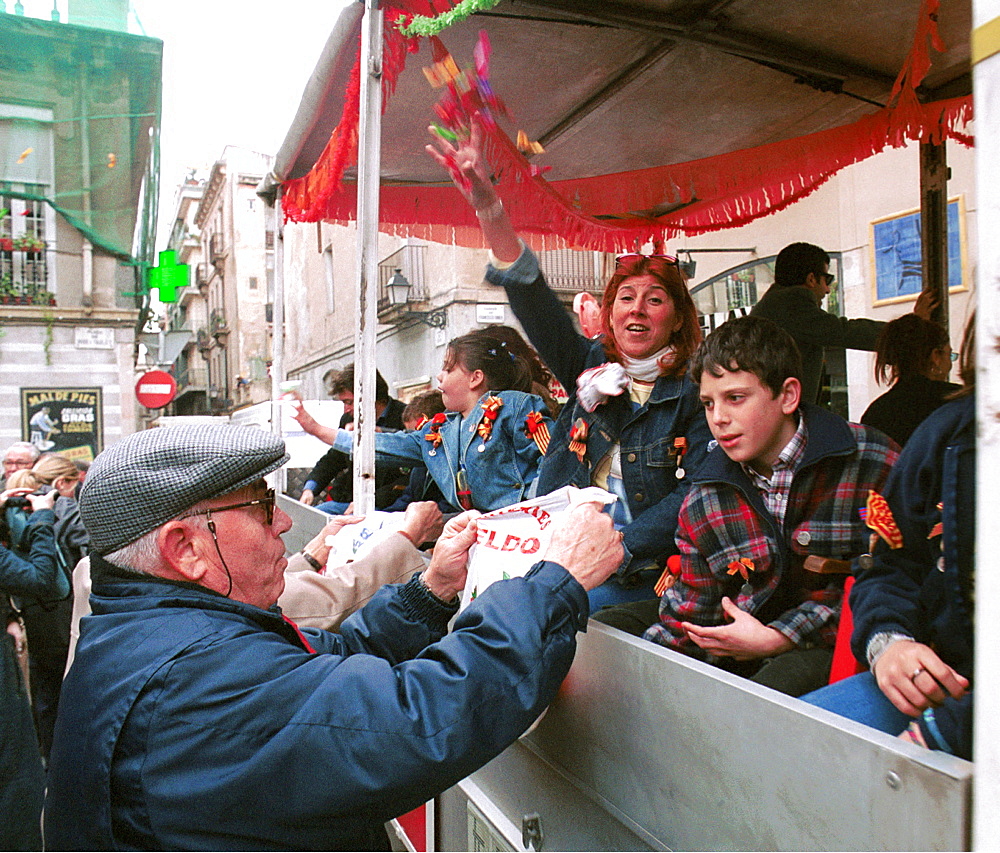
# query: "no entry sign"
[[155, 389]]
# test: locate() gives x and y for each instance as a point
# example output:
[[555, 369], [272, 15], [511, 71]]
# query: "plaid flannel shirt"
[[724, 519]]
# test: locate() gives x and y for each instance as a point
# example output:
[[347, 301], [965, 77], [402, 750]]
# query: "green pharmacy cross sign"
[[168, 276]]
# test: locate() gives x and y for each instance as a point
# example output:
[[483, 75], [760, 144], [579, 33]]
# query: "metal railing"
[[572, 270], [410, 260]]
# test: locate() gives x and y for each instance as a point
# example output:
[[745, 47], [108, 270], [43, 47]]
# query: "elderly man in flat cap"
[[197, 717]]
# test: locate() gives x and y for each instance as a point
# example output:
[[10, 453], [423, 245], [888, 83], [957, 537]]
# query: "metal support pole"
[[934, 174], [278, 324], [986, 89], [369, 166]]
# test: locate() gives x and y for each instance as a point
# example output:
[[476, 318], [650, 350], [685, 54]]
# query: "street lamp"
[[399, 295]]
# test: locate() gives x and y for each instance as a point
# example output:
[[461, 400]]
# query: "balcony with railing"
[[24, 272], [570, 271], [191, 379], [410, 260], [218, 326], [217, 249]]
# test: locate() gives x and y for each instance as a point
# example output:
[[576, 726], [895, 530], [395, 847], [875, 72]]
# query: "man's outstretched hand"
[[586, 544]]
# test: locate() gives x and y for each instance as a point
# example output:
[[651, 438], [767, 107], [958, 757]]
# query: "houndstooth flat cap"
[[150, 477]]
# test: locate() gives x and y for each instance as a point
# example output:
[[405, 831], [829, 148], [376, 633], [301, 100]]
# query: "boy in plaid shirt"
[[785, 483]]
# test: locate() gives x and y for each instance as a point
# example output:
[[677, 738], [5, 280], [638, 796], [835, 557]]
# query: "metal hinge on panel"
[[531, 832]]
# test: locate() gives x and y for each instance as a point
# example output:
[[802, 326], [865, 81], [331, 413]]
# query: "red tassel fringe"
[[719, 192]]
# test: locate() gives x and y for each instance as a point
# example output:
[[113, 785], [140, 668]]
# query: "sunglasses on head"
[[635, 257]]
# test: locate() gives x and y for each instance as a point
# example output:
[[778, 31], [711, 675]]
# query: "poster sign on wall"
[[63, 420]]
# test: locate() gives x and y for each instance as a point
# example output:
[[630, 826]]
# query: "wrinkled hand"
[[586, 544], [445, 576], [934, 680], [465, 160], [422, 522], [926, 302], [46, 501], [307, 497], [744, 638], [317, 547]]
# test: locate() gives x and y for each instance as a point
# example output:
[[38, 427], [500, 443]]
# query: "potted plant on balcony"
[[6, 244], [6, 290], [29, 244]]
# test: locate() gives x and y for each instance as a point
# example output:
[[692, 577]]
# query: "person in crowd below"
[[771, 523], [484, 452], [421, 486], [83, 466], [543, 383], [335, 466], [191, 698], [633, 423], [47, 620], [913, 599], [19, 456], [914, 356], [33, 572], [802, 279]]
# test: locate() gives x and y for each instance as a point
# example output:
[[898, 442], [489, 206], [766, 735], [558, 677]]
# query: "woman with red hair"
[[633, 423]]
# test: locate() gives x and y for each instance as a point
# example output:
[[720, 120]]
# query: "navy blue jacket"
[[925, 588], [190, 721], [648, 460], [22, 779]]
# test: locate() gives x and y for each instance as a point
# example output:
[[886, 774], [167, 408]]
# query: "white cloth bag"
[[512, 539], [353, 541]]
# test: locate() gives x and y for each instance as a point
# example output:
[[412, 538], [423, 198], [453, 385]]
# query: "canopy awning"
[[658, 117]]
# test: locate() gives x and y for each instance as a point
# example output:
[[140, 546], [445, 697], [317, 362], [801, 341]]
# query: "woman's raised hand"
[[466, 163]]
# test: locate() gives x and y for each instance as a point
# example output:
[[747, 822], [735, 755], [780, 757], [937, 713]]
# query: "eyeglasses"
[[267, 502], [830, 279], [954, 356]]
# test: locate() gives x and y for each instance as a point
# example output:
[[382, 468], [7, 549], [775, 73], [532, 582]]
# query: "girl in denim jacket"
[[483, 452]]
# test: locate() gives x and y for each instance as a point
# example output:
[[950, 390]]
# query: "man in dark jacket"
[[334, 467], [802, 279], [196, 717]]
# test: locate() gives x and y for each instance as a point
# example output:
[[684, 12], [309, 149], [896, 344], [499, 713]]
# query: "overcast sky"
[[233, 74]]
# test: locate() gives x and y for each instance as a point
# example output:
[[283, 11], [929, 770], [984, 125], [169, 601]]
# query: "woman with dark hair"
[[633, 423], [543, 383], [483, 453], [914, 356]]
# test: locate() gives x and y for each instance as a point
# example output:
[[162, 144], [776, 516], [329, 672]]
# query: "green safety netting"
[[79, 132]]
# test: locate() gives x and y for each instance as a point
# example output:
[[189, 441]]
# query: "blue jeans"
[[333, 507], [612, 592], [859, 698]]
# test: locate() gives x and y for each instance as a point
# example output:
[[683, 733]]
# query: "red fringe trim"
[[719, 192]]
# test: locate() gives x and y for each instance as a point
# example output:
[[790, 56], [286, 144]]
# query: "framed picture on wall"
[[896, 263]]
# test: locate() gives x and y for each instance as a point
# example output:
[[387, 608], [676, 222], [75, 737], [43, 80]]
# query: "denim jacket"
[[500, 469], [650, 465]]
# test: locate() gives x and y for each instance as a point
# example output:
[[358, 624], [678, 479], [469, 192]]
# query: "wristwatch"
[[880, 642]]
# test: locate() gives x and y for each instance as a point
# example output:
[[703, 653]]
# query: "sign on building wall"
[[63, 420]]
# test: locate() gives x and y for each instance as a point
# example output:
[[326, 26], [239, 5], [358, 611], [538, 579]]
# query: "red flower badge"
[[537, 430], [578, 438], [433, 433], [669, 576], [491, 407]]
